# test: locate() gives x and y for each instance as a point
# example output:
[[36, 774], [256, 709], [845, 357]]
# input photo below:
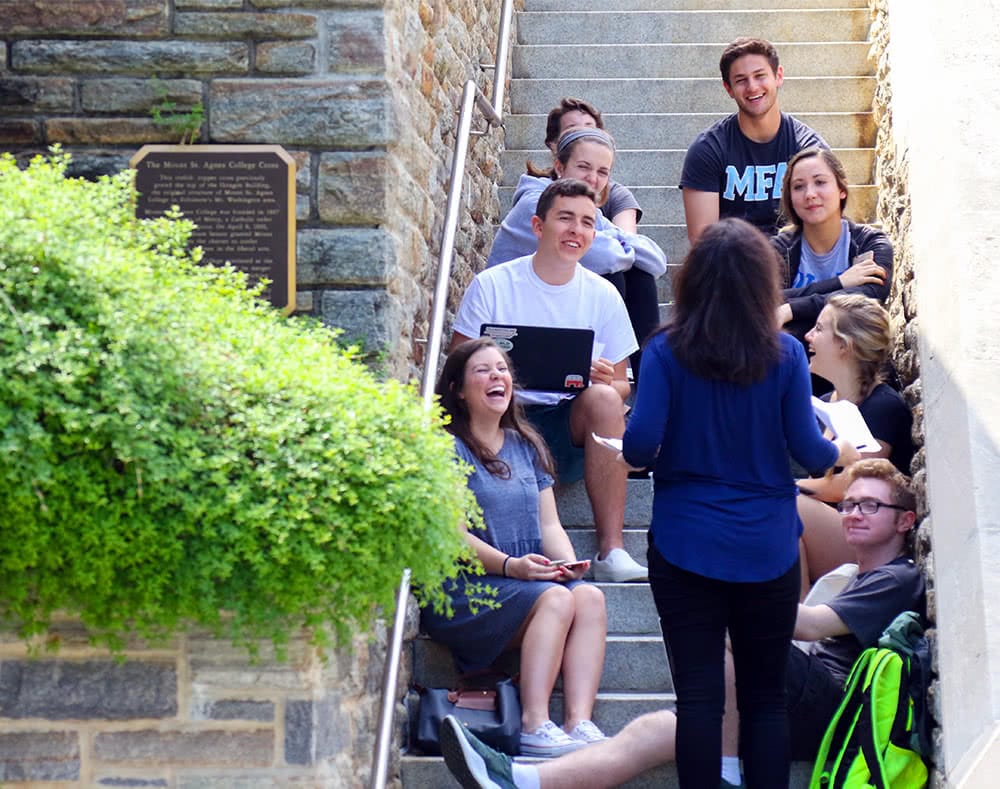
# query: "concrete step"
[[562, 61], [798, 95], [673, 240], [632, 663], [574, 506], [680, 27], [686, 5], [662, 205], [663, 167], [677, 130], [421, 772]]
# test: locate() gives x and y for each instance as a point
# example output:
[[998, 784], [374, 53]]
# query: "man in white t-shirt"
[[550, 288]]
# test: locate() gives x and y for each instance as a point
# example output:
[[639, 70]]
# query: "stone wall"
[[193, 714], [362, 93], [893, 212], [939, 167]]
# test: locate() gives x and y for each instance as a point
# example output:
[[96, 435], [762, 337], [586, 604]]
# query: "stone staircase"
[[651, 66]]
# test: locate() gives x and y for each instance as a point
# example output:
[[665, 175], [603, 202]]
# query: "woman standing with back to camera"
[[725, 397]]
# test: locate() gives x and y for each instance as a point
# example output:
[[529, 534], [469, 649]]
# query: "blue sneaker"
[[474, 764]]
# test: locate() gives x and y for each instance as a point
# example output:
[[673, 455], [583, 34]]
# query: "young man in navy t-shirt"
[[735, 167]]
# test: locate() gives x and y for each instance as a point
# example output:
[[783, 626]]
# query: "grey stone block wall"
[[195, 712], [362, 93]]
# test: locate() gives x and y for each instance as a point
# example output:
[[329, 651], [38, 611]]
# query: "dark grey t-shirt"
[[867, 605], [620, 198], [746, 174]]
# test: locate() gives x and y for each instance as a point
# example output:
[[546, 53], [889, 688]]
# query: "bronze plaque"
[[242, 199]]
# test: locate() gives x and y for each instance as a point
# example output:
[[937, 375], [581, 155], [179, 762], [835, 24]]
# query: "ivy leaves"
[[172, 450]]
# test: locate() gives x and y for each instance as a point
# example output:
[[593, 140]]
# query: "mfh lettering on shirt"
[[755, 183]]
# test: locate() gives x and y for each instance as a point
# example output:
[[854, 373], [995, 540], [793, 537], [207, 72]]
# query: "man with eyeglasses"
[[878, 519]]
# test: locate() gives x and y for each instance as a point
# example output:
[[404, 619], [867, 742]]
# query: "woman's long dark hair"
[[448, 388], [724, 324]]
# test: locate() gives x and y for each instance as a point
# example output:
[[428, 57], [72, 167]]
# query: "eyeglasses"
[[867, 506]]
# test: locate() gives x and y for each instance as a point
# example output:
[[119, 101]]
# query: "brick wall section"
[[894, 214], [193, 713], [362, 93]]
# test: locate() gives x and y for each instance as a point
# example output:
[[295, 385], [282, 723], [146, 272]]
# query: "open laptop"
[[545, 359]]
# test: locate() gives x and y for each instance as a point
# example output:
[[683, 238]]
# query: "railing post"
[[471, 98]]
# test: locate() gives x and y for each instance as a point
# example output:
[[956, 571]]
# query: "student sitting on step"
[[631, 262], [620, 207], [822, 251], [848, 347], [558, 621], [551, 288], [735, 167], [637, 287], [878, 519]]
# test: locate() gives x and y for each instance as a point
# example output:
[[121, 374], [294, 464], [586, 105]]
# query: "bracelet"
[[503, 570]]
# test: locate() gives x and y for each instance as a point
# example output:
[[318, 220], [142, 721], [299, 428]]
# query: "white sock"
[[731, 770], [525, 776]]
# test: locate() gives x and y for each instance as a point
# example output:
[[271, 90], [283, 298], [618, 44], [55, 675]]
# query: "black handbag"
[[492, 713]]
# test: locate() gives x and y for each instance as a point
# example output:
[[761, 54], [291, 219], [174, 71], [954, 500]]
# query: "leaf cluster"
[[173, 450], [183, 124]]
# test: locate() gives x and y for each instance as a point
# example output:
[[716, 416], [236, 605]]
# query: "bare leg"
[[731, 716], [646, 742], [805, 583], [823, 535], [583, 655], [542, 639], [600, 410]]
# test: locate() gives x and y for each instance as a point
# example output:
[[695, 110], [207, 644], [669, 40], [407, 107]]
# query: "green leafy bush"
[[172, 449]]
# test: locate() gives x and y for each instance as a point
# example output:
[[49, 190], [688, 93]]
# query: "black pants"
[[638, 291], [695, 613]]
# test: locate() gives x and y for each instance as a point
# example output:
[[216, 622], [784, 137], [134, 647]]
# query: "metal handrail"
[[472, 97]]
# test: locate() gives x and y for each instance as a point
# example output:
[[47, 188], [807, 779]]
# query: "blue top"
[[477, 635], [510, 506], [724, 501]]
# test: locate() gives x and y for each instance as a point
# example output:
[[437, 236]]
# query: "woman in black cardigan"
[[822, 252]]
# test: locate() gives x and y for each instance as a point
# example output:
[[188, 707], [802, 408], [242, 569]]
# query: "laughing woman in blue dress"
[[557, 621]]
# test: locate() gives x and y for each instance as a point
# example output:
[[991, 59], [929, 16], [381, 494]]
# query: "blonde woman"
[[849, 345]]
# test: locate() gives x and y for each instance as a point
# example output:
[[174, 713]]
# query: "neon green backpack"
[[880, 734]]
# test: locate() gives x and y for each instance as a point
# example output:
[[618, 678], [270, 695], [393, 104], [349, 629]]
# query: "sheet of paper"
[[610, 443], [844, 420]]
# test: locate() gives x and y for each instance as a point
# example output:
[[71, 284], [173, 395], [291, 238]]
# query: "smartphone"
[[869, 255], [571, 565]]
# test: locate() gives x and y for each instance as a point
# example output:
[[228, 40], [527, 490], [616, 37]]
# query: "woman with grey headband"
[[630, 261]]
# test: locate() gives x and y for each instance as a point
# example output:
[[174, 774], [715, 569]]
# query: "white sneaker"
[[618, 567], [587, 731], [547, 741]]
